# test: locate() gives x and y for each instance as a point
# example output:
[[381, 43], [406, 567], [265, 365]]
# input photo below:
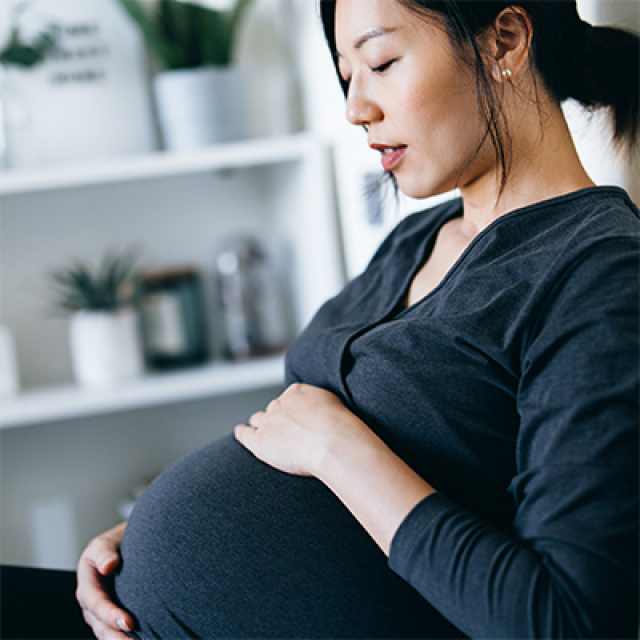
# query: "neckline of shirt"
[[398, 308]]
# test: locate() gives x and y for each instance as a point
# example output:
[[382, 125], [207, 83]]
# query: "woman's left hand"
[[308, 431], [298, 428]]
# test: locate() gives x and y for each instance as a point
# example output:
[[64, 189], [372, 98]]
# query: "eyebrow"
[[370, 34]]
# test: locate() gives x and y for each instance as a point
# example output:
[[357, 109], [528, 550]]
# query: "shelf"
[[33, 407], [158, 164]]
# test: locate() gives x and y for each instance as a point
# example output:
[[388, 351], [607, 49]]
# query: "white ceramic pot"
[[200, 107], [105, 347], [8, 363], [18, 140]]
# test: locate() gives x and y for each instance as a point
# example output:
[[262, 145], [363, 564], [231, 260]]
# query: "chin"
[[424, 181], [420, 191]]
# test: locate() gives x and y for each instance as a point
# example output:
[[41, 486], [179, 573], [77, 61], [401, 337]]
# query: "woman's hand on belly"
[[295, 430], [308, 431], [97, 565]]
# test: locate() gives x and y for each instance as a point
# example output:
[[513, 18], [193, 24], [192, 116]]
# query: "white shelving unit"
[[300, 161], [61, 445], [157, 165], [69, 402], [176, 206]]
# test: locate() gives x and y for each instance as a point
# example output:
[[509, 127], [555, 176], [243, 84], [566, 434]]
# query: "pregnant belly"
[[223, 546]]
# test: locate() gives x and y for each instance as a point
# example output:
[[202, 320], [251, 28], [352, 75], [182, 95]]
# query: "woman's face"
[[415, 97]]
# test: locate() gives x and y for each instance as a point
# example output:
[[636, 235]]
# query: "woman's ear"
[[510, 43]]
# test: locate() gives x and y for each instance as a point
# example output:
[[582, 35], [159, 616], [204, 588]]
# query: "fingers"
[[257, 418], [242, 435], [97, 564], [102, 554], [297, 388], [95, 600], [103, 631], [107, 563]]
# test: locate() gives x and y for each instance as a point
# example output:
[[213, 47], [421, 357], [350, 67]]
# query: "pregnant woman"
[[456, 453]]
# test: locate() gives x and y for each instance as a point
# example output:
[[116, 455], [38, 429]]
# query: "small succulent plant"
[[109, 286]]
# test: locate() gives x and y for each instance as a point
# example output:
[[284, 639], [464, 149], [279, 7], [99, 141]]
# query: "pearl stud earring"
[[507, 73]]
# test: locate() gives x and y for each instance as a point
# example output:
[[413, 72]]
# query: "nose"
[[361, 108]]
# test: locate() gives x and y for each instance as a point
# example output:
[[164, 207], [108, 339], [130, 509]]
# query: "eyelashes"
[[379, 69], [383, 67]]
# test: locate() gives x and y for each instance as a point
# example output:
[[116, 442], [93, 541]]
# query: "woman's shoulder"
[[589, 259], [607, 209], [553, 234], [602, 224], [595, 212]]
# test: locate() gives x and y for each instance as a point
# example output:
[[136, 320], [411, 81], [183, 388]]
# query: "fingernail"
[[106, 561], [123, 625]]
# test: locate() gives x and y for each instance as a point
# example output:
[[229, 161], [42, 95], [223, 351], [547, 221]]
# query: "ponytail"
[[598, 67]]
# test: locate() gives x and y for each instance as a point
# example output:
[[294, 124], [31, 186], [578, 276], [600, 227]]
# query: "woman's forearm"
[[377, 487], [308, 431]]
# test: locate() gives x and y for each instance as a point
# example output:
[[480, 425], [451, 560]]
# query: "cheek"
[[449, 125], [439, 110]]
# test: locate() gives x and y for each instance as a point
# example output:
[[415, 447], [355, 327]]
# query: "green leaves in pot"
[[17, 52], [181, 35], [109, 286]]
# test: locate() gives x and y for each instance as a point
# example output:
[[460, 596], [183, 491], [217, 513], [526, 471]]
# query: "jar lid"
[[167, 275]]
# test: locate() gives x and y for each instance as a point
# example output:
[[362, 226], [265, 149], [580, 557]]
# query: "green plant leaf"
[[182, 35], [107, 287], [22, 54], [172, 20], [152, 31], [214, 37]]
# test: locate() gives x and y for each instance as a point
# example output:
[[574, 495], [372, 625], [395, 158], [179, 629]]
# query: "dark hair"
[[597, 66]]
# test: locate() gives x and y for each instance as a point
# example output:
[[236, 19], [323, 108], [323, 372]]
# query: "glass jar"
[[250, 300]]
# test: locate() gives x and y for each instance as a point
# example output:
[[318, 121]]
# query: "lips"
[[391, 156]]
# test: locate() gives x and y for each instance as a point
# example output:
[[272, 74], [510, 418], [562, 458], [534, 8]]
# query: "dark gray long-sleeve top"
[[513, 389]]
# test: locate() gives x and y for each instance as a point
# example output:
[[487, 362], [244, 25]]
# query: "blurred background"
[[177, 198]]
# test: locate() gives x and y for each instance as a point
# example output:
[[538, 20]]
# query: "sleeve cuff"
[[413, 528]]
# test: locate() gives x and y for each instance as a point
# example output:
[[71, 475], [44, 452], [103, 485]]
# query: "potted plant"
[[19, 54], [198, 89], [103, 330]]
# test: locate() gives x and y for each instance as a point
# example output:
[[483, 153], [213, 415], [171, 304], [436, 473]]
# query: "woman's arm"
[[307, 431], [566, 570], [97, 565], [568, 566]]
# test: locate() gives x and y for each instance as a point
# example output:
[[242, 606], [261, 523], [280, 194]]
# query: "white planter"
[[8, 364], [105, 347], [89, 101], [200, 107], [18, 141]]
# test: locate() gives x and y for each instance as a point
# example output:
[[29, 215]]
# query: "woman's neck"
[[544, 165]]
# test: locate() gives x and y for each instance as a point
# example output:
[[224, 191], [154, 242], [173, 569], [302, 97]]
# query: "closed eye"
[[383, 67]]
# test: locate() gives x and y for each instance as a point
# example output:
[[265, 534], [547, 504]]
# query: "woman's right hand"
[[96, 568]]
